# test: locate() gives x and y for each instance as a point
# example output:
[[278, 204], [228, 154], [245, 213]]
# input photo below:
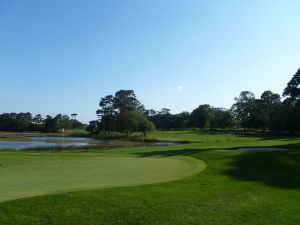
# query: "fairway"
[[31, 175]]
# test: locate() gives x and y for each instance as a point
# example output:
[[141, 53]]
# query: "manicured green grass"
[[30, 175], [235, 188]]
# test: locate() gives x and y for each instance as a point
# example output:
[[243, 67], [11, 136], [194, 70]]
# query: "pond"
[[29, 142], [18, 145], [45, 142], [48, 138]]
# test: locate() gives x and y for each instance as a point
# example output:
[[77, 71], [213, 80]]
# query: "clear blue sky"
[[62, 56]]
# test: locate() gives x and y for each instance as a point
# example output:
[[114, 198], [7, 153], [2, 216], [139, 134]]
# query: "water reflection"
[[45, 138], [18, 145], [50, 142]]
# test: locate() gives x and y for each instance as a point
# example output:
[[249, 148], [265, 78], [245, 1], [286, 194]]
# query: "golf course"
[[158, 112], [207, 180]]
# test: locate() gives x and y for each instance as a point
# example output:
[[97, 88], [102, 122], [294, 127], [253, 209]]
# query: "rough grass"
[[235, 188]]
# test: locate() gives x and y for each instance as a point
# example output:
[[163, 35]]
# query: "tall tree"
[[269, 104], [221, 118], [270, 98], [201, 116], [244, 109], [107, 113], [122, 112], [38, 119], [163, 119], [292, 102], [293, 87], [24, 121], [181, 120], [51, 124], [132, 121], [144, 125], [125, 100]]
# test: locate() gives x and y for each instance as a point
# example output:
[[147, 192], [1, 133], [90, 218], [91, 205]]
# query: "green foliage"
[[107, 113], [16, 122], [122, 112], [51, 124], [213, 118], [201, 116], [268, 106], [221, 118], [125, 100], [127, 122], [293, 87], [93, 126], [131, 121], [266, 113], [144, 125], [25, 122], [163, 119], [206, 116], [244, 109], [60, 121]]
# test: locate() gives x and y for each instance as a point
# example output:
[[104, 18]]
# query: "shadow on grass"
[[265, 136], [278, 169], [169, 153]]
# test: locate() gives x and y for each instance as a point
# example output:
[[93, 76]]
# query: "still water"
[[45, 138], [45, 142], [49, 142]]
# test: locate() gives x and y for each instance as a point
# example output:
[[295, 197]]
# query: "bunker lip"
[[262, 149]]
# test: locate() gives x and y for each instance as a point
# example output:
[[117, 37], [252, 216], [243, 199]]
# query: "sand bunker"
[[262, 149]]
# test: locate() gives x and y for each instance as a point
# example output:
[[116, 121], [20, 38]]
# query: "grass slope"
[[235, 188]]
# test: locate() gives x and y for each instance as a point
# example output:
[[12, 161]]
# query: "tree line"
[[20, 122], [272, 112], [124, 113]]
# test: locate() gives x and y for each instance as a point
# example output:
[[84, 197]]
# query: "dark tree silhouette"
[[293, 87]]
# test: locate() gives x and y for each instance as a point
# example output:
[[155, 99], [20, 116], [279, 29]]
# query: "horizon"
[[63, 58]]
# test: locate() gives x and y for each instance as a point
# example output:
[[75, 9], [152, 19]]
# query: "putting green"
[[30, 175]]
